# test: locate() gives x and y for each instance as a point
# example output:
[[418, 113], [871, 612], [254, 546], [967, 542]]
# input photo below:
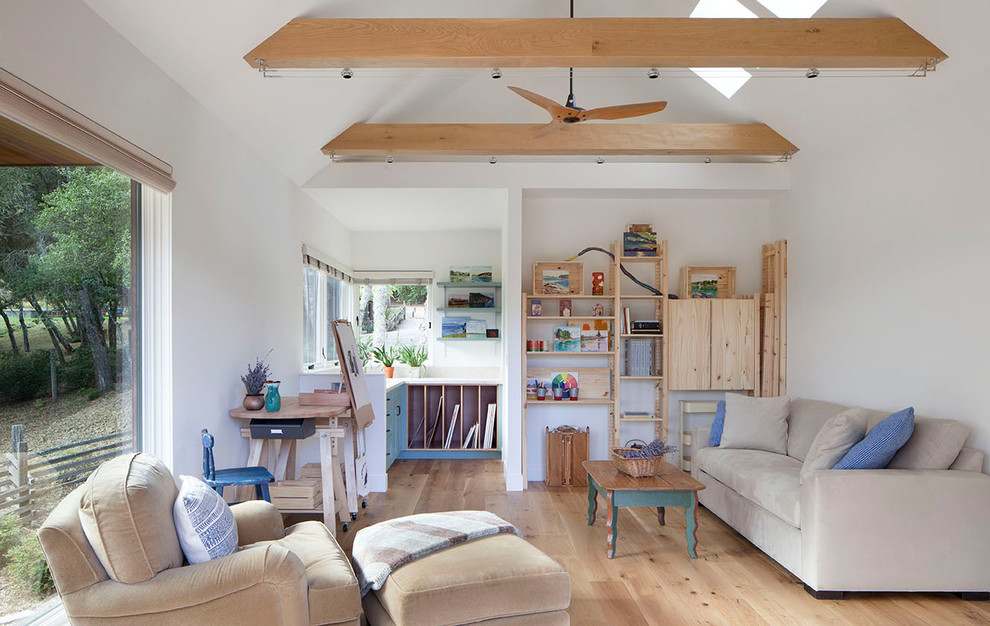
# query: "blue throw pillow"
[[880, 445], [718, 425]]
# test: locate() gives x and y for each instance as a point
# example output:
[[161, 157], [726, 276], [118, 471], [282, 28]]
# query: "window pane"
[[67, 336], [334, 311], [395, 314], [311, 288]]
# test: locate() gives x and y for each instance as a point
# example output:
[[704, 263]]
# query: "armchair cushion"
[[126, 515], [755, 423], [203, 522], [834, 440], [935, 444]]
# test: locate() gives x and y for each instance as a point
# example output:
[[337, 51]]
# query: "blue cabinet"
[[395, 412]]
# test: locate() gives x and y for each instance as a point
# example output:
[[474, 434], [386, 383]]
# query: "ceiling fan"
[[569, 113]]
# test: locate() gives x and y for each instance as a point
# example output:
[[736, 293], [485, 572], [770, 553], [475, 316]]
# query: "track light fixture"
[[496, 73], [600, 160], [812, 72], [653, 73], [347, 73], [493, 160], [389, 159]]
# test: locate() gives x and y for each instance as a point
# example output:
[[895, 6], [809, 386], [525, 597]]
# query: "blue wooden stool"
[[236, 476]]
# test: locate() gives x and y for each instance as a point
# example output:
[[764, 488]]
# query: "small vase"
[[389, 372], [254, 402], [273, 401]]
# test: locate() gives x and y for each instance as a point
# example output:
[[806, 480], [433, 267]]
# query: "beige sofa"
[[917, 529], [278, 576]]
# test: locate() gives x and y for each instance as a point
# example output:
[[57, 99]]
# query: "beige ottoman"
[[496, 580]]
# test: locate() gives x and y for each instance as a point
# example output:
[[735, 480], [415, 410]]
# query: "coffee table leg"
[[612, 523], [691, 516], [662, 515], [592, 500]]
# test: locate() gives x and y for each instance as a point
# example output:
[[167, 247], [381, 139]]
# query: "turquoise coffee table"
[[671, 487]]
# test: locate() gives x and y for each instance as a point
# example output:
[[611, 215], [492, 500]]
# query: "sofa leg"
[[973, 596], [825, 595]]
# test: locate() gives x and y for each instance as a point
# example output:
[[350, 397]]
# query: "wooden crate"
[[725, 275], [297, 494], [567, 448], [575, 272], [311, 471], [325, 397]]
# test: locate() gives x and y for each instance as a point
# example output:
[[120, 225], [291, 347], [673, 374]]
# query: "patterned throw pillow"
[[718, 425], [203, 521], [880, 445]]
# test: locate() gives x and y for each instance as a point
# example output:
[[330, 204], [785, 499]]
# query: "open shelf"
[[469, 285], [465, 309], [571, 317], [640, 377], [639, 259], [550, 401], [469, 338], [550, 352], [575, 296], [640, 419], [641, 297], [639, 336]]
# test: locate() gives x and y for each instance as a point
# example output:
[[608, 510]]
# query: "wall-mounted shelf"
[[475, 309], [469, 339], [467, 285], [547, 296], [567, 402], [490, 317], [583, 318], [549, 353]]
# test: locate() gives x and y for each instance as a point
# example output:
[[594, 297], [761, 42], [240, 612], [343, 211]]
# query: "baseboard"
[[973, 596], [825, 595]]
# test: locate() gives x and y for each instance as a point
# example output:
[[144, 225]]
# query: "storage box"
[[325, 397], [297, 494], [282, 429], [311, 471], [567, 448]]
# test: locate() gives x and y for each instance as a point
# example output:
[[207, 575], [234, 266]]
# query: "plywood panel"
[[593, 382], [689, 327], [734, 331]]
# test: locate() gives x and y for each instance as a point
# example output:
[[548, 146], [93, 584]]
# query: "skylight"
[[793, 8], [727, 80]]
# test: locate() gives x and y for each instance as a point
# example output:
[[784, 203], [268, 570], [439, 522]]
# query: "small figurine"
[[598, 310]]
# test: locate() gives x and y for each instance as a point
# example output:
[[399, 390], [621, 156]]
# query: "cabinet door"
[[734, 331], [689, 332]]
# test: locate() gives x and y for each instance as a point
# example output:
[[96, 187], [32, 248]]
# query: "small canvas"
[[565, 307], [454, 327], [556, 281], [536, 308], [457, 302], [450, 429], [476, 329], [481, 299], [639, 244], [460, 274], [490, 426], [531, 385], [481, 273], [594, 341], [566, 339], [704, 285]]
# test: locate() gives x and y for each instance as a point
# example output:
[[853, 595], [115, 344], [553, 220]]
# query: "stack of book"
[[639, 357]]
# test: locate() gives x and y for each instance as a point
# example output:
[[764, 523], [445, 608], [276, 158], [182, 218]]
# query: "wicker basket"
[[637, 467]]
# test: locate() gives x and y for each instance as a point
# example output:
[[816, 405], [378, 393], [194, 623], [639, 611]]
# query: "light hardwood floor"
[[651, 580]]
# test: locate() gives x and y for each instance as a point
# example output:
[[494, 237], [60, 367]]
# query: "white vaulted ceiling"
[[201, 46]]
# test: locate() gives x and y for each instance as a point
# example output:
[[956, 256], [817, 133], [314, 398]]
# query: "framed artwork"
[[639, 244], [708, 281], [597, 283], [460, 274], [566, 339], [558, 279], [481, 273]]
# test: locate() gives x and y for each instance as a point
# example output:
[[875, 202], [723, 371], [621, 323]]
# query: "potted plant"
[[414, 357], [386, 358], [254, 383]]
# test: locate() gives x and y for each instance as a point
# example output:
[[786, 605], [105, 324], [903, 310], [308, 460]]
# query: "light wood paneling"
[[595, 42], [22, 147], [381, 140], [593, 382], [734, 354], [689, 329]]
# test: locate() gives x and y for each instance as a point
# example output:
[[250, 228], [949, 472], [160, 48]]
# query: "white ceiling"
[[201, 45], [414, 210]]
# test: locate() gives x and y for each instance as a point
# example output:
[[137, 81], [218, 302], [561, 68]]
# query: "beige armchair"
[[137, 575]]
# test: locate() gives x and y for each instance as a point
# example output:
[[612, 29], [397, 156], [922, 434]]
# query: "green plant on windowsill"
[[413, 356], [386, 358]]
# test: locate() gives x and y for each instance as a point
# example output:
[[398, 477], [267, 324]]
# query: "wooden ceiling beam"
[[381, 140], [596, 42]]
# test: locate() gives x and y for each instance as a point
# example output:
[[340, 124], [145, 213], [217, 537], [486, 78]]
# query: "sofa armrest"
[[257, 520], [700, 437], [895, 530], [265, 584]]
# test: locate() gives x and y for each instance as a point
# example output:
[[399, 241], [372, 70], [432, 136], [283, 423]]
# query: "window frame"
[[322, 317]]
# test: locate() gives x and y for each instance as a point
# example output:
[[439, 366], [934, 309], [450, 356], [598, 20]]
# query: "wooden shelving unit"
[[424, 417], [653, 271]]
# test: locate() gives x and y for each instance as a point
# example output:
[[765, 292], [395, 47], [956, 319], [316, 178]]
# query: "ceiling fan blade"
[[556, 110], [552, 127], [623, 111]]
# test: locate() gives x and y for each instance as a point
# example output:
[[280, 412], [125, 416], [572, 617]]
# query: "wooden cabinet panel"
[[689, 334], [733, 344]]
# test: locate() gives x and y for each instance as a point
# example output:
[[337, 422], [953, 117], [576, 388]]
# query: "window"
[[394, 315], [326, 298]]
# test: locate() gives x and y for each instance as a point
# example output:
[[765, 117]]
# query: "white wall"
[[723, 230], [889, 235], [237, 223], [438, 251]]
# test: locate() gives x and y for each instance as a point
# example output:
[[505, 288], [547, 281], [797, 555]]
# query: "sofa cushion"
[[772, 481], [126, 513], [494, 577], [881, 443], [203, 521], [334, 595], [715, 439], [834, 440], [755, 423], [935, 444], [805, 420]]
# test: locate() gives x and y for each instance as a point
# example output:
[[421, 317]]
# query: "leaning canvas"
[[566, 339]]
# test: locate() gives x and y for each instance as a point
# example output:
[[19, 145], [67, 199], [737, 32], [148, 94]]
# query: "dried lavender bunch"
[[257, 375], [652, 450]]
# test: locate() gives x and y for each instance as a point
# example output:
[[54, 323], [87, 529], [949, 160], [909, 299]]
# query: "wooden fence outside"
[[26, 476]]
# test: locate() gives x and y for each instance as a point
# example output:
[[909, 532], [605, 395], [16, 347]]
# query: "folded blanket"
[[381, 549]]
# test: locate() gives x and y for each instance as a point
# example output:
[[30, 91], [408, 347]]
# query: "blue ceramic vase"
[[273, 401]]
